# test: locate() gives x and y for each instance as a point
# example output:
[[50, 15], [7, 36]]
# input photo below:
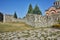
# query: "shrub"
[[56, 26]]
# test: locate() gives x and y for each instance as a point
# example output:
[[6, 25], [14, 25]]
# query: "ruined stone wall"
[[30, 19], [10, 18], [42, 21], [35, 20]]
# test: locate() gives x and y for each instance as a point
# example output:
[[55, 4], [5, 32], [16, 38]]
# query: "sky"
[[21, 6]]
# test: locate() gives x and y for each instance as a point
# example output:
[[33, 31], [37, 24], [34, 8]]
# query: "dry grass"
[[6, 27], [20, 26]]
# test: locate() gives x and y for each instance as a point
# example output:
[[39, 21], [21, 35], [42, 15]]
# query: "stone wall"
[[35, 20], [10, 18], [42, 21]]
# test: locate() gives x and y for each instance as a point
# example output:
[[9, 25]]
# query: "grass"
[[17, 26], [6, 27]]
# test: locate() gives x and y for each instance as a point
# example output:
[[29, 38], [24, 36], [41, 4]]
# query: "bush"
[[56, 26]]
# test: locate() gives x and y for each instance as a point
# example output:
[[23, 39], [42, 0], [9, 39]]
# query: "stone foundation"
[[38, 34]]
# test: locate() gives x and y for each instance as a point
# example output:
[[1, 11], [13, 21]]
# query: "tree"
[[15, 15], [1, 17], [36, 10], [30, 10]]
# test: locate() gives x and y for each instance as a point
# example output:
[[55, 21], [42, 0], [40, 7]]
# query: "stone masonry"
[[38, 34], [35, 20], [42, 21]]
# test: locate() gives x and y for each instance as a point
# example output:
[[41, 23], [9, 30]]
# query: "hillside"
[[6, 27]]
